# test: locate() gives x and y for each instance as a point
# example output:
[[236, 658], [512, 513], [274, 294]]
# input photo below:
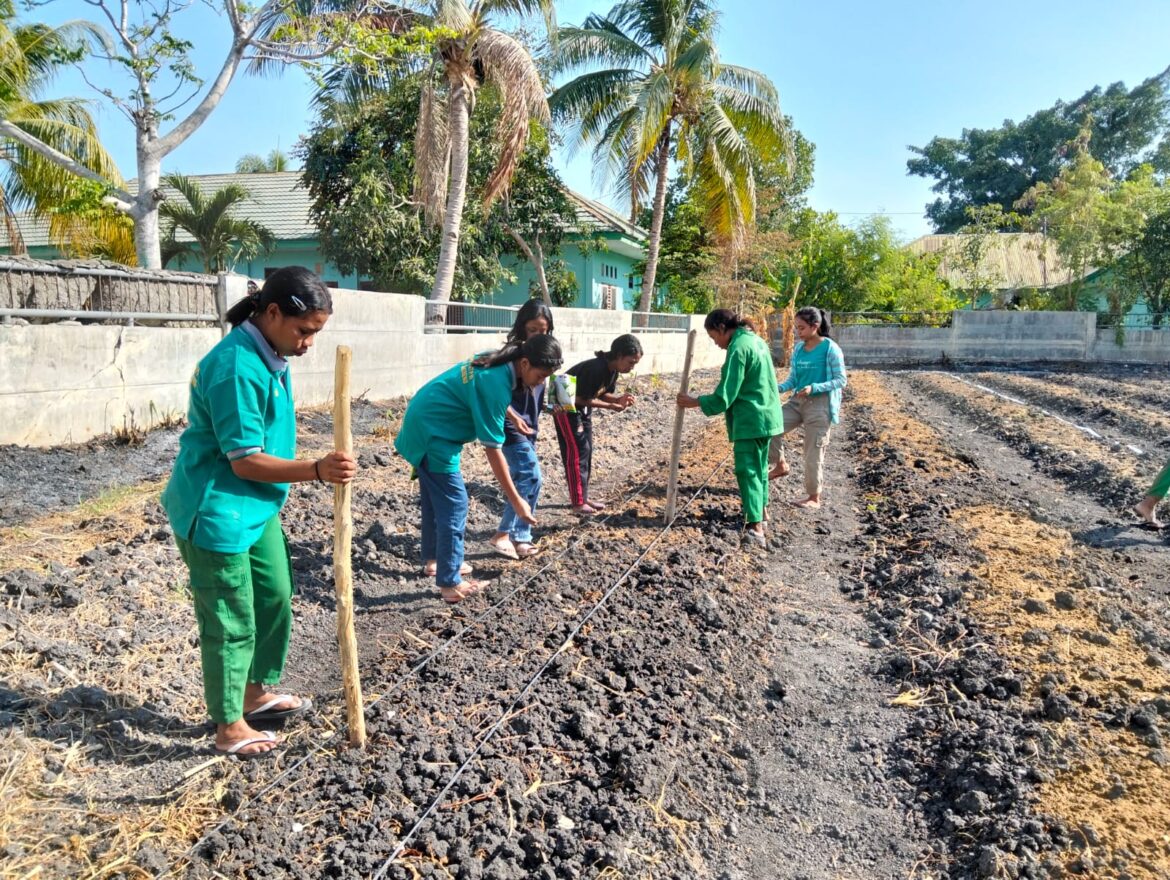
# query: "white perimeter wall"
[[63, 383], [1003, 337]]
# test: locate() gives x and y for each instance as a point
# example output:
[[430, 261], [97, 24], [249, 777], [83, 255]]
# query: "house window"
[[367, 285], [331, 284], [608, 271]]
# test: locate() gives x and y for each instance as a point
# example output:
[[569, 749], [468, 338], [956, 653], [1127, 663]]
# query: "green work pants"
[[751, 472], [1161, 484], [243, 604]]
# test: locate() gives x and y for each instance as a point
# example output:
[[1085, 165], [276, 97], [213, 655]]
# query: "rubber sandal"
[[267, 713], [430, 571], [463, 591], [508, 551], [234, 749], [526, 549]]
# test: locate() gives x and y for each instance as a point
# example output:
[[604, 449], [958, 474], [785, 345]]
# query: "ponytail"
[[626, 345], [294, 289], [726, 319], [541, 351], [815, 317]]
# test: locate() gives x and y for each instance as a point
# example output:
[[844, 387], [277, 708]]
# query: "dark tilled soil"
[[855, 702]]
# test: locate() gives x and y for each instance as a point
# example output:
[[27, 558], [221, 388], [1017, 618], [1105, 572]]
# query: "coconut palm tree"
[[475, 53], [219, 239], [30, 56], [654, 88]]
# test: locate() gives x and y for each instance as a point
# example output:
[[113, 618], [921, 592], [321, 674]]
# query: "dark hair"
[[814, 317], [626, 345], [294, 289], [541, 350], [726, 319], [530, 311]]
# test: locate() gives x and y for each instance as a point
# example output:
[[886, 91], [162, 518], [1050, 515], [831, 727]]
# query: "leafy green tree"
[[976, 241], [535, 214], [654, 88], [253, 163], [146, 43], [1000, 165], [560, 286], [359, 165], [1071, 211], [219, 239], [1136, 237], [847, 269]]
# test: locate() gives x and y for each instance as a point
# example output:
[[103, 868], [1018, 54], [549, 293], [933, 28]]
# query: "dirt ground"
[[957, 668]]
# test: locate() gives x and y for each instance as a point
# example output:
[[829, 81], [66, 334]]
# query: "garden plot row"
[[1033, 666]]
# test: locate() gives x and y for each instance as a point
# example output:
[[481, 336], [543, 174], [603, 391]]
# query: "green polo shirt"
[[463, 404], [241, 403], [746, 393]]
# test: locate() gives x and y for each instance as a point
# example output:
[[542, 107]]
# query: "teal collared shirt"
[[463, 404], [241, 403]]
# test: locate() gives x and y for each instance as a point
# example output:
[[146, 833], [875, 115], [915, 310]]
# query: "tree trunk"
[[147, 237], [458, 112], [535, 255], [650, 276]]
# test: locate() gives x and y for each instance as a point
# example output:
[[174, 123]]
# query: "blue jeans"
[[524, 467], [443, 498]]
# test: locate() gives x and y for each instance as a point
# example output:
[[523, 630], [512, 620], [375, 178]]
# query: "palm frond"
[[592, 99], [654, 100], [508, 66], [432, 151], [603, 45]]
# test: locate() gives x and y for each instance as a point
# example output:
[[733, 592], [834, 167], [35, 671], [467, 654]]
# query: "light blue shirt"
[[821, 370]]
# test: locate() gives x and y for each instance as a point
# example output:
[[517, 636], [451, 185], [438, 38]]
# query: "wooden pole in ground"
[[342, 549], [676, 443]]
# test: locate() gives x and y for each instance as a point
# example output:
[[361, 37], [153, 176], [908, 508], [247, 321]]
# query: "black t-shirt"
[[593, 377]]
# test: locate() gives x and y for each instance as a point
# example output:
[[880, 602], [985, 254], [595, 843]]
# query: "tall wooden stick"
[[342, 549], [676, 443]]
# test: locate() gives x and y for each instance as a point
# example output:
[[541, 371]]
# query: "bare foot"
[[585, 510], [596, 505], [781, 470], [1146, 510], [807, 503]]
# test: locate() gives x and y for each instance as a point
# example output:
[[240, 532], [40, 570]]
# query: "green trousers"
[[243, 604], [751, 472], [1161, 484]]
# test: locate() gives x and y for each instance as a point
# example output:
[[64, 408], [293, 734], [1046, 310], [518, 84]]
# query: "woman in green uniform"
[[468, 402], [747, 397], [230, 481]]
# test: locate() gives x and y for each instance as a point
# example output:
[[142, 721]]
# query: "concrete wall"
[[63, 383], [1002, 337]]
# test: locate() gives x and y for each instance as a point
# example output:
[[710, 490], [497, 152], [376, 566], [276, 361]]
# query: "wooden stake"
[[342, 550], [676, 443]]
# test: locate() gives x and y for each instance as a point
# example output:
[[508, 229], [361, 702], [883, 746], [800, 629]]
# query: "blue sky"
[[861, 79]]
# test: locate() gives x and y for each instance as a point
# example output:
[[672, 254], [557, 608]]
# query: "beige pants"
[[812, 414]]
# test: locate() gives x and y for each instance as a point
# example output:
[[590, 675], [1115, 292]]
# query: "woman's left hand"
[[687, 402], [803, 392]]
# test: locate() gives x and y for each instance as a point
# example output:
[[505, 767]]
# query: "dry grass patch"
[[1112, 790], [115, 515], [894, 425]]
